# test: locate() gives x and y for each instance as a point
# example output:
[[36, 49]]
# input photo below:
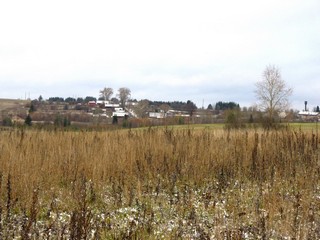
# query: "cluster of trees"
[[226, 105], [106, 93], [178, 105], [122, 96], [72, 100]]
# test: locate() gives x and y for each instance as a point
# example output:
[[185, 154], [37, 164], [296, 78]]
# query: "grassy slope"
[[12, 104]]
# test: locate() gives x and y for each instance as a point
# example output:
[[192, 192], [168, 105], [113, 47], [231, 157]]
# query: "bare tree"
[[164, 107], [106, 93], [123, 94], [141, 108], [272, 92]]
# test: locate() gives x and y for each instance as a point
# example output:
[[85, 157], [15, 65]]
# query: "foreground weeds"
[[160, 184]]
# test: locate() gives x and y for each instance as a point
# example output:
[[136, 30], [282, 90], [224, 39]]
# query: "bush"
[[61, 121], [268, 123], [28, 120], [32, 108], [233, 119], [181, 120], [115, 120], [7, 121]]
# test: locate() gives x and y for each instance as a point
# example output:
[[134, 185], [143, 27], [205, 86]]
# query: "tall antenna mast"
[[305, 105]]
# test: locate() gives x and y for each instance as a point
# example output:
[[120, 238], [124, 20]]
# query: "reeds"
[[160, 183]]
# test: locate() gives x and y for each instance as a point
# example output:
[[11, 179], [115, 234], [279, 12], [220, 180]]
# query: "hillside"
[[13, 107]]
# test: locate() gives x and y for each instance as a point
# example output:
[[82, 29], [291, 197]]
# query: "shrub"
[[62, 121], [115, 120], [7, 121], [233, 119], [28, 120]]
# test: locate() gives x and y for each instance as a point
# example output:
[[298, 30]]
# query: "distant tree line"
[[72, 100], [226, 106], [177, 105], [121, 98]]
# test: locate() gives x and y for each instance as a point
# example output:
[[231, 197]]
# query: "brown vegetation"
[[160, 182], [13, 108]]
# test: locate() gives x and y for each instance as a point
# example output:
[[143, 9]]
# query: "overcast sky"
[[203, 51]]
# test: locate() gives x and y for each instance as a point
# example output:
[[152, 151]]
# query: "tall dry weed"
[[218, 183]]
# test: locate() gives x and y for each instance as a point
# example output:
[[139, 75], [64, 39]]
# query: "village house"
[[309, 116], [120, 112], [157, 114]]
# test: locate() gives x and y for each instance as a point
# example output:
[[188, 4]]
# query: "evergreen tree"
[[61, 121], [66, 122], [80, 100], [28, 120], [89, 98], [226, 105], [32, 108], [115, 120], [70, 100]]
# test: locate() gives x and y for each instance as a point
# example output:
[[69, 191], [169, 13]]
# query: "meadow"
[[160, 183]]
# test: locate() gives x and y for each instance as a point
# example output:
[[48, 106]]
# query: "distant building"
[[309, 116], [160, 114], [120, 112], [92, 104], [176, 113]]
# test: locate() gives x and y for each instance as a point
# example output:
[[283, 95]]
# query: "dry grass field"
[[160, 183]]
